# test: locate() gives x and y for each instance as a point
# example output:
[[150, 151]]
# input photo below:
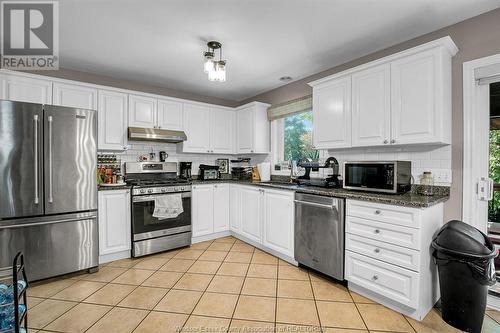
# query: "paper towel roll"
[[265, 171]]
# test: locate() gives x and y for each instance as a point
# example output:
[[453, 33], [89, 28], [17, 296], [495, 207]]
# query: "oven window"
[[143, 220], [376, 176]]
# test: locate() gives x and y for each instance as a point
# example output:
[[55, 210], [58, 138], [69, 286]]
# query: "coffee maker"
[[185, 170]]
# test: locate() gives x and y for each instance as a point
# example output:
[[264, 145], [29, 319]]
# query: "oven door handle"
[[143, 198]]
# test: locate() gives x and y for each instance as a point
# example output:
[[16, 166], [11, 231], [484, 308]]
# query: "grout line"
[[315, 303]]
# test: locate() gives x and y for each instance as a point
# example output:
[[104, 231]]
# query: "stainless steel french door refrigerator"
[[48, 188]]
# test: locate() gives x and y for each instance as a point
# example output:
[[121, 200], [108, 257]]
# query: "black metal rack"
[[15, 274]]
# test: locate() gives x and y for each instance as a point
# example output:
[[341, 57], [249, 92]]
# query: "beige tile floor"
[[214, 286]]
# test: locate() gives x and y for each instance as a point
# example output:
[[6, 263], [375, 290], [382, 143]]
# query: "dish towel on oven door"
[[167, 207]]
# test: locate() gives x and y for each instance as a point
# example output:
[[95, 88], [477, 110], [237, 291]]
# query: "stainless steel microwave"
[[378, 176]]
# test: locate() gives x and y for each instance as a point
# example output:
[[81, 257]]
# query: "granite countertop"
[[409, 199], [109, 188]]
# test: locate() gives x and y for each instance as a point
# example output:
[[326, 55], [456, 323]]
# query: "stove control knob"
[[163, 190], [142, 191], [150, 190], [176, 189]]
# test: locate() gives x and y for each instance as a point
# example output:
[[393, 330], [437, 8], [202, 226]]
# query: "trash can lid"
[[460, 239]]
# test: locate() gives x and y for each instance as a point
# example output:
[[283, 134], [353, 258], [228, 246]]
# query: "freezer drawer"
[[51, 245]]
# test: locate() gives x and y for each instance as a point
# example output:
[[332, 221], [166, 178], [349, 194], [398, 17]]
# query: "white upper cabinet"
[[332, 114], [112, 120], [253, 129], [202, 210], [402, 99], [371, 106], [420, 99], [170, 114], [142, 111], [221, 130], [197, 128], [75, 96], [24, 89], [279, 221]]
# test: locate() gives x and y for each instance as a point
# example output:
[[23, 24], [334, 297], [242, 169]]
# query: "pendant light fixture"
[[216, 69]]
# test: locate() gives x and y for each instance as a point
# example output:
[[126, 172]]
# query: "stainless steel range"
[[154, 183]]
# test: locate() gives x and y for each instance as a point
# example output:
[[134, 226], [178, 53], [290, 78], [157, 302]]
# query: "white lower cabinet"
[[263, 217], [388, 256], [210, 209], [279, 221], [114, 224]]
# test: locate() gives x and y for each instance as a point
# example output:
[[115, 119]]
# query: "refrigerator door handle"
[[51, 197], [35, 121]]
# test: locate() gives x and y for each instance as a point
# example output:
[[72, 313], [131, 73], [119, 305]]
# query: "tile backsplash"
[[423, 158], [136, 149]]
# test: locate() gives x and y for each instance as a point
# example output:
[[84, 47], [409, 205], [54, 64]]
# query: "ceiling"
[[161, 41]]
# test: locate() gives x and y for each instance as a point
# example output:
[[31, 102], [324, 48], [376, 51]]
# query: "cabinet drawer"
[[389, 253], [395, 283], [404, 216], [384, 232]]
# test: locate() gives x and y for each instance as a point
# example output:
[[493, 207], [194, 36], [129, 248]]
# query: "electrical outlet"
[[442, 176]]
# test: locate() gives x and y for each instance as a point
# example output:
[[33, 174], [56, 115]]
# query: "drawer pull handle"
[[377, 250], [375, 278], [377, 231], [378, 212]]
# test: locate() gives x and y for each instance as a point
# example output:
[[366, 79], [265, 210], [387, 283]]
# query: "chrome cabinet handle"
[[375, 277], [393, 141], [51, 197], [386, 141], [377, 231], [377, 250], [378, 212], [35, 132]]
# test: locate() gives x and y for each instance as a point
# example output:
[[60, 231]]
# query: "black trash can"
[[464, 256]]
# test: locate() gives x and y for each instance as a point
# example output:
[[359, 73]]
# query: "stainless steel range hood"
[[155, 134]]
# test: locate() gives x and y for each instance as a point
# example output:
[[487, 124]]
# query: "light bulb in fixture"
[[209, 65], [220, 71], [213, 75]]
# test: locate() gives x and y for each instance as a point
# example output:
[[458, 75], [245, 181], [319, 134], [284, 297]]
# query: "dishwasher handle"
[[307, 203]]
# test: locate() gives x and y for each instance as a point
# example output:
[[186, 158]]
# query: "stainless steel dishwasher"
[[319, 233]]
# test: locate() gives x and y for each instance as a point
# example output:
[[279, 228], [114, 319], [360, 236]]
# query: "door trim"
[[475, 140]]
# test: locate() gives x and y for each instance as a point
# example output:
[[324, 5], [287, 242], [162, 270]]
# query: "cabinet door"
[[23, 89], [112, 122], [142, 111], [170, 115], [413, 98], [234, 208], [279, 221], [332, 114], [221, 130], [221, 207], [114, 221], [197, 128], [245, 128], [371, 106], [75, 96], [202, 210], [251, 213]]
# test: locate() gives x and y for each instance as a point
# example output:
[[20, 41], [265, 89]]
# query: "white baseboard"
[[204, 238], [114, 256]]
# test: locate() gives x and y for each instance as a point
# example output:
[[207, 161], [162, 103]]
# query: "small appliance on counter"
[[208, 172], [185, 170], [378, 176], [241, 169], [331, 181]]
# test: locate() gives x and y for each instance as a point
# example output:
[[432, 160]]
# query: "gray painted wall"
[[69, 74], [476, 38]]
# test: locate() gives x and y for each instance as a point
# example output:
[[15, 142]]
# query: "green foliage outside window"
[[494, 173], [298, 138]]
